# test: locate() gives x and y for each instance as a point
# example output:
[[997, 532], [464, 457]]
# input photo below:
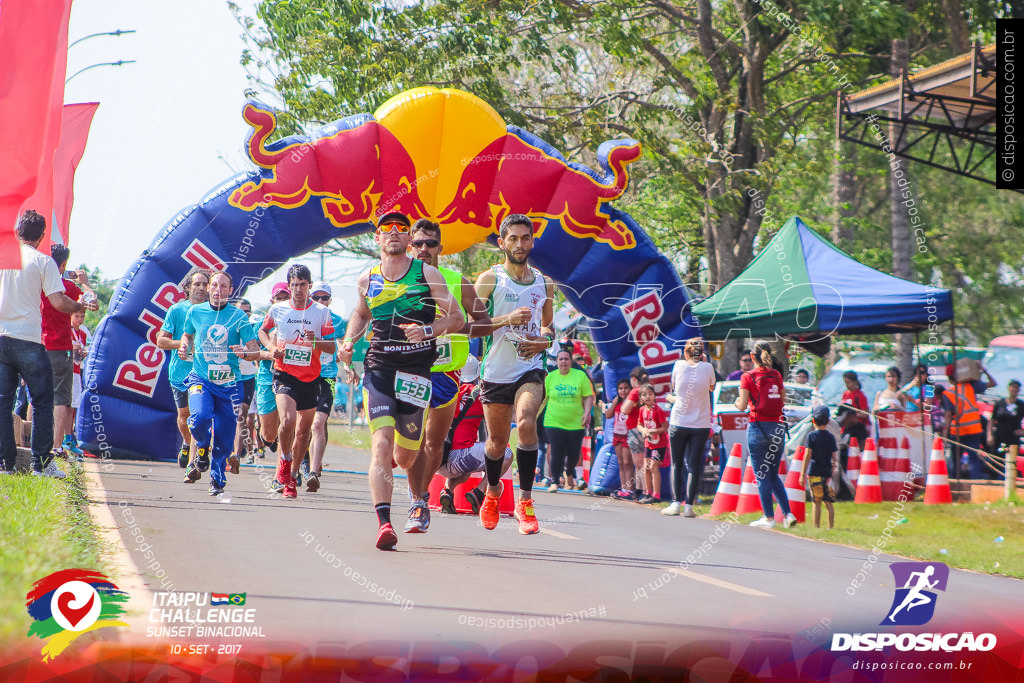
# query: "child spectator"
[[620, 440], [823, 454], [653, 425]]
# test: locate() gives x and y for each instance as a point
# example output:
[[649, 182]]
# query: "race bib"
[[298, 355], [219, 374], [412, 389], [444, 351]]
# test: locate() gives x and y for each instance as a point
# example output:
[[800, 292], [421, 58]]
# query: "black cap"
[[394, 217]]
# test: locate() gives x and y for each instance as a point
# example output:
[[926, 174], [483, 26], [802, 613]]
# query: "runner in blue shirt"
[[220, 334], [168, 338]]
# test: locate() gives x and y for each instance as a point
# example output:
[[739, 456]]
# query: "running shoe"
[[298, 478], [387, 539], [284, 470], [216, 489], [688, 511], [581, 485], [789, 521], [672, 510], [51, 470], [304, 468], [553, 488], [192, 475], [763, 523], [261, 453], [70, 446], [622, 494], [250, 459], [489, 512], [276, 486], [447, 501], [203, 459], [313, 482], [289, 489], [419, 518], [183, 456], [475, 498], [273, 446], [233, 463], [646, 499], [527, 520]]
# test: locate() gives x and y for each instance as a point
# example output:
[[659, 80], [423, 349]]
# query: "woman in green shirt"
[[569, 398]]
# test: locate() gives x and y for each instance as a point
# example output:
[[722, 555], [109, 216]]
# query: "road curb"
[[127, 575]]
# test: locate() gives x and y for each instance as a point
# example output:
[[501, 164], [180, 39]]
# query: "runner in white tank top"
[[520, 299]]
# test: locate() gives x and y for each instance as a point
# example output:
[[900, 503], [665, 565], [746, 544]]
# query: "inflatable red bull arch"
[[439, 154]]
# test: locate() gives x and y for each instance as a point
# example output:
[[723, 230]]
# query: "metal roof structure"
[[947, 114]]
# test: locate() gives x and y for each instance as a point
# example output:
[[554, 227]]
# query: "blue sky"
[[171, 121]]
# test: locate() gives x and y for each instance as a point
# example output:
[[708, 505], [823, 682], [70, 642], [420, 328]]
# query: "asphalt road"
[[620, 570]]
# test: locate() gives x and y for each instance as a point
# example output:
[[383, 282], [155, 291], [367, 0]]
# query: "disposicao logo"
[[68, 603], [914, 605]]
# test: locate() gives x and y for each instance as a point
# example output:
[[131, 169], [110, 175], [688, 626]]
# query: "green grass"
[[340, 435], [966, 532], [46, 527]]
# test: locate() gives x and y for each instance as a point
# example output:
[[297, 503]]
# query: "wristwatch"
[[428, 331]]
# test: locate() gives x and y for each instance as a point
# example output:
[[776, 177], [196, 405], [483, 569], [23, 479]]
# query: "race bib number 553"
[[412, 389]]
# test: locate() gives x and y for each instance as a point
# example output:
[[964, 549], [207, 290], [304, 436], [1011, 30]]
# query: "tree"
[[104, 291]]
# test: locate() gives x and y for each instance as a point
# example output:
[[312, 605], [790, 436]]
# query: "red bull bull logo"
[[513, 176], [407, 162], [357, 173]]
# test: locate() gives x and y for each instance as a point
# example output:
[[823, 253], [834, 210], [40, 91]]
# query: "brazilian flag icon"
[[237, 598]]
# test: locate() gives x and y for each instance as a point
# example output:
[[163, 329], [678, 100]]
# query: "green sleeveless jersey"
[[393, 303], [452, 349]]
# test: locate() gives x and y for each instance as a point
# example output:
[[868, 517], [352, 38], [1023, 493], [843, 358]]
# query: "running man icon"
[[919, 580]]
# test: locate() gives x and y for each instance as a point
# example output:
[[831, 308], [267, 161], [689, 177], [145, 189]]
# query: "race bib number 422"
[[298, 355], [412, 389]]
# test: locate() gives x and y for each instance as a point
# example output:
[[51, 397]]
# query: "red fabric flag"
[[33, 52], [74, 132]]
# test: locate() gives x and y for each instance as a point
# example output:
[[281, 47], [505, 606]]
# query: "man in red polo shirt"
[[58, 342]]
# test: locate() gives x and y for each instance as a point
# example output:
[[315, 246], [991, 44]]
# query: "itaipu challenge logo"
[[69, 603]]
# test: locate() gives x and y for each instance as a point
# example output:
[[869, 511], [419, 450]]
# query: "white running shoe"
[[672, 510], [763, 523], [688, 511], [51, 470], [553, 488], [789, 521]]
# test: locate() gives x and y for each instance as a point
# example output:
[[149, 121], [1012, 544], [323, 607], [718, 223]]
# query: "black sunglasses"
[[320, 297], [429, 244]]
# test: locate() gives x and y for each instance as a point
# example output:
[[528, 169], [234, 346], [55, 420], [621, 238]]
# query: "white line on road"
[[558, 534], [719, 582]]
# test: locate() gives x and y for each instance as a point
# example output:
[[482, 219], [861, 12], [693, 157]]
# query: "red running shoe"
[[289, 489], [489, 512], [284, 471], [527, 520], [387, 539]]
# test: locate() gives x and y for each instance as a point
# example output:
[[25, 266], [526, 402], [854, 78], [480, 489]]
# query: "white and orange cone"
[[853, 462], [937, 490], [869, 485], [794, 492], [749, 500], [728, 493]]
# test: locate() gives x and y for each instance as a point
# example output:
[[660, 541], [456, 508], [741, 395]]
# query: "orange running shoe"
[[489, 512], [527, 520]]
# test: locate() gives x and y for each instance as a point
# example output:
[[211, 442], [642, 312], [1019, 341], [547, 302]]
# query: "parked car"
[[1005, 360]]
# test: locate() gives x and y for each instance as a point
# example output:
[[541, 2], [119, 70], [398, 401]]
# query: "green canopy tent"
[[802, 287]]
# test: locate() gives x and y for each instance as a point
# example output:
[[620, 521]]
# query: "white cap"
[[321, 287], [470, 371]]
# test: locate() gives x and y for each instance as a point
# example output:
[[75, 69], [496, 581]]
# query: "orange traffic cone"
[[728, 492], [869, 486], [891, 466], [937, 491], [749, 501], [853, 462], [794, 492]]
